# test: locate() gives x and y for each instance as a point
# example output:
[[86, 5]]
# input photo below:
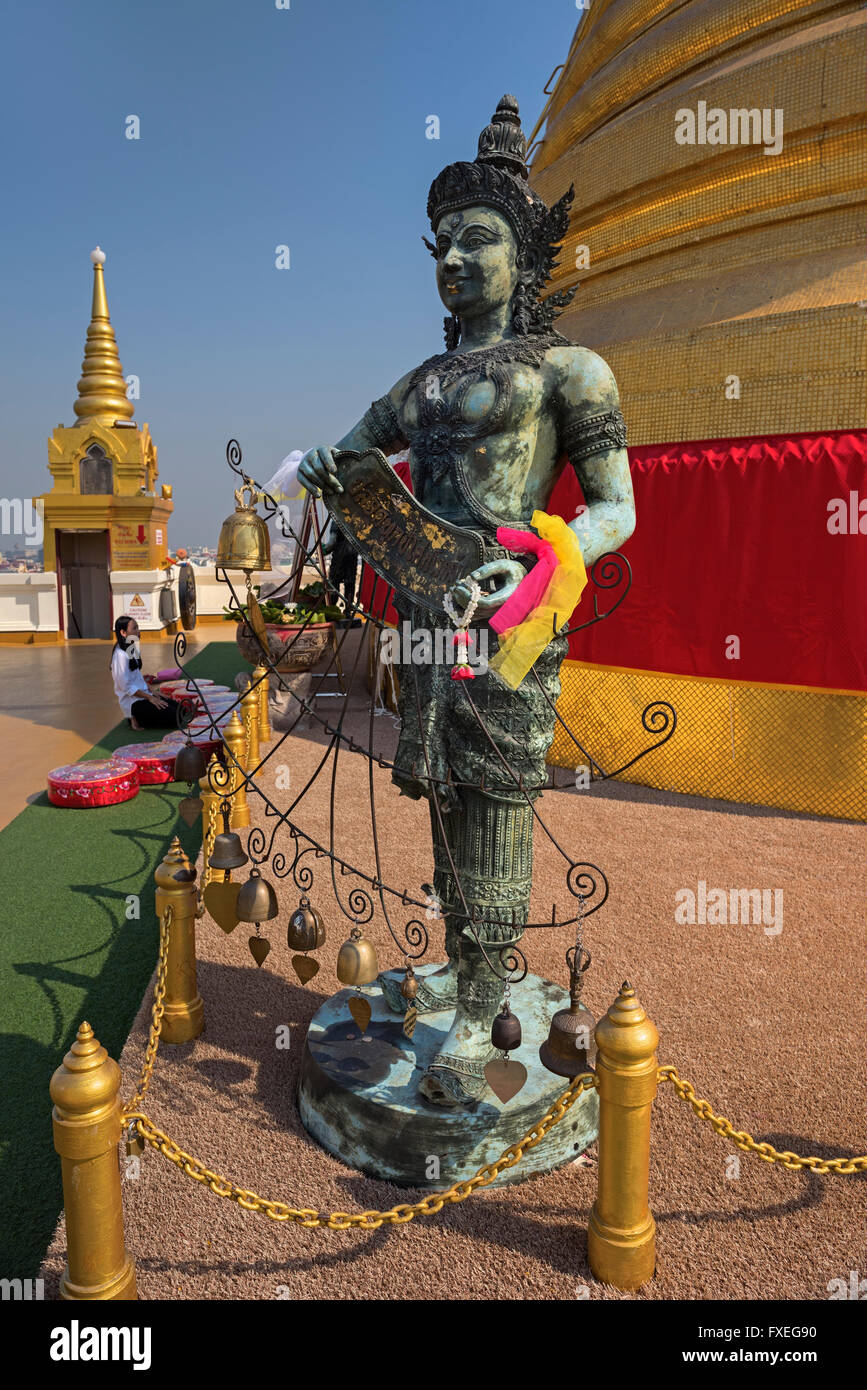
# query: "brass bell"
[[257, 901], [190, 763], [227, 852], [306, 930], [570, 1047], [409, 985], [506, 1030], [356, 960], [244, 542]]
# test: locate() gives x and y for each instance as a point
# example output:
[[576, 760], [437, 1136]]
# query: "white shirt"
[[128, 685]]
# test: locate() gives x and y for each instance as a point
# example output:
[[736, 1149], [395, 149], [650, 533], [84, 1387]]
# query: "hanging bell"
[[244, 542], [257, 901], [570, 1047], [228, 852], [306, 930], [409, 985], [356, 960], [190, 763], [506, 1030]]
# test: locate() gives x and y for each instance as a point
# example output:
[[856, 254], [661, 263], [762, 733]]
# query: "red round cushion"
[[103, 782], [203, 725], [206, 739], [154, 762], [170, 673]]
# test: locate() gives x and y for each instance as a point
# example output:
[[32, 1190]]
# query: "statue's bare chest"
[[506, 398]]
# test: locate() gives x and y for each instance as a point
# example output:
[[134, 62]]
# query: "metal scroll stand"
[[310, 522]]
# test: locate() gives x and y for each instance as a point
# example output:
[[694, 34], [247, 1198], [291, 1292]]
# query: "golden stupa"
[[718, 240], [704, 262]]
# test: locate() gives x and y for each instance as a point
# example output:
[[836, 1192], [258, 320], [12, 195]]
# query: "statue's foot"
[[456, 1076], [435, 992]]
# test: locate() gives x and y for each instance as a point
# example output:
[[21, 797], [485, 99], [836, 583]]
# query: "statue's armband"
[[581, 439], [382, 426]]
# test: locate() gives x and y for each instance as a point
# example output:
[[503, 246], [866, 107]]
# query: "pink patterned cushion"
[[101, 782]]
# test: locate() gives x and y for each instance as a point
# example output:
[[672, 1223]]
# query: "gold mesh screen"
[[798, 749]]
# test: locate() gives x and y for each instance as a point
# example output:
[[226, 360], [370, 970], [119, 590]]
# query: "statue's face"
[[476, 266]]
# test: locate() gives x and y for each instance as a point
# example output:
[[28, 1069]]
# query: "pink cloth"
[[533, 587]]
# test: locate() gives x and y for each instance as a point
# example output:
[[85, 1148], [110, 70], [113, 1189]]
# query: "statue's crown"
[[497, 178], [502, 142]]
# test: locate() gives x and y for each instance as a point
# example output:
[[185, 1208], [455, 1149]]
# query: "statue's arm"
[[593, 436], [378, 428]]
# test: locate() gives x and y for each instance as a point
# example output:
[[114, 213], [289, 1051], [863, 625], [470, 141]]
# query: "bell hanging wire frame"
[[584, 881]]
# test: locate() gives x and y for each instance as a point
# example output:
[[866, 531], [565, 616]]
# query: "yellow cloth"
[[521, 645]]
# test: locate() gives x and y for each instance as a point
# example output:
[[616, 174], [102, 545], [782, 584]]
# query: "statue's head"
[[477, 260], [496, 240]]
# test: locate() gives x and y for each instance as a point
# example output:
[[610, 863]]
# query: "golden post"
[[87, 1127], [184, 1011], [212, 824], [261, 675], [236, 764], [621, 1236], [250, 716]]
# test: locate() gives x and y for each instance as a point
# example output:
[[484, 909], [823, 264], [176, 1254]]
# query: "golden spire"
[[102, 389]]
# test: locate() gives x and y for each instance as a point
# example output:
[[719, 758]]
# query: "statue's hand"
[[502, 577], [318, 471]]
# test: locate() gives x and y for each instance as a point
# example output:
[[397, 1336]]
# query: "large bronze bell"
[[244, 542], [570, 1047], [227, 852], [356, 960], [257, 901], [306, 930], [190, 763]]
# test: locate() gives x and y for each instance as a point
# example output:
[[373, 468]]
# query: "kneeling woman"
[[142, 709]]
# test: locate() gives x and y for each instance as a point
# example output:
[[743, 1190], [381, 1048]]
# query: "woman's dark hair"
[[120, 627], [120, 640]]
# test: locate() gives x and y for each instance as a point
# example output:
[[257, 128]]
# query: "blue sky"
[[259, 127]]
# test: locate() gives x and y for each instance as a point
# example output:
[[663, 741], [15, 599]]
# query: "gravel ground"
[[767, 1023]]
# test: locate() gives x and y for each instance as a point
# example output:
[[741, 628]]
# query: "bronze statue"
[[488, 423]]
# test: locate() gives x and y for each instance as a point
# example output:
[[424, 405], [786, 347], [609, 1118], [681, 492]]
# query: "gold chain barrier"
[[305, 1216], [89, 1120], [157, 1011], [365, 1220], [746, 1142]]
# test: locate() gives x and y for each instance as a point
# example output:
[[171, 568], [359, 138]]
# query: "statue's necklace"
[[448, 366]]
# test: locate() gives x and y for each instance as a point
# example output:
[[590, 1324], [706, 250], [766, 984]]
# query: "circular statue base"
[[358, 1095]]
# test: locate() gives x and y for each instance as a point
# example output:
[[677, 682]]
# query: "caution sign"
[[138, 608]]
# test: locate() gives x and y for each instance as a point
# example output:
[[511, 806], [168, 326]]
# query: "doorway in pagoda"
[[85, 587]]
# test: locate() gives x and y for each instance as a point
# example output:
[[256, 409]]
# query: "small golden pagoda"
[[106, 530]]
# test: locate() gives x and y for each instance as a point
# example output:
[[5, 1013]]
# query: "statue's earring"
[[452, 330], [521, 309]]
